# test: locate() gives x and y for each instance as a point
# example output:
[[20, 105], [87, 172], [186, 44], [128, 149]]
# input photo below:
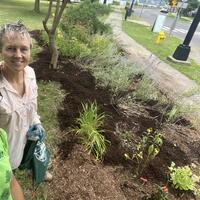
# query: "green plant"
[[89, 124], [99, 43], [86, 14], [109, 67], [147, 90], [181, 177], [146, 150], [175, 112]]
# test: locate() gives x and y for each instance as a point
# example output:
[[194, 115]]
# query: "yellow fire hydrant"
[[161, 36]]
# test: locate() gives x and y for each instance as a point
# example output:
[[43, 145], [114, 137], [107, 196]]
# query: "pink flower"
[[144, 180]]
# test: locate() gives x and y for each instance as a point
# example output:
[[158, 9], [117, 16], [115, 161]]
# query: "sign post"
[[180, 6]]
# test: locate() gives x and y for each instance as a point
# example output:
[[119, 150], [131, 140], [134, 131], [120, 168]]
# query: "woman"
[[18, 90]]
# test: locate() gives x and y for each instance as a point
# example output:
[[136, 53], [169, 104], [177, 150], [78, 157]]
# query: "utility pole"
[[175, 21], [180, 6], [183, 50], [129, 10], [142, 8]]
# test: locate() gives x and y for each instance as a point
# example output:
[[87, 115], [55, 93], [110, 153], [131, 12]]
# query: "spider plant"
[[89, 128]]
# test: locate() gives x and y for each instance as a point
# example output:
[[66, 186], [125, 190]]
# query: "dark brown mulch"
[[76, 174]]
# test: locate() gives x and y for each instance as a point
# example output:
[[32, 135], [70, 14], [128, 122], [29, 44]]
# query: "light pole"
[[129, 10], [183, 50]]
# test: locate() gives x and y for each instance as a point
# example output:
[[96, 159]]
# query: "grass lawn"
[[14, 10], [173, 15], [162, 50], [50, 97]]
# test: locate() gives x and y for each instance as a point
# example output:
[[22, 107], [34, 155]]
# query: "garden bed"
[[77, 175]]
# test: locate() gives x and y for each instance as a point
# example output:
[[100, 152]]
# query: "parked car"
[[164, 9]]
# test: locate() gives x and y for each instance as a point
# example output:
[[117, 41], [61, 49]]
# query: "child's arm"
[[16, 190]]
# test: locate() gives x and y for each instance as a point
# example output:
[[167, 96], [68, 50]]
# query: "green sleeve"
[[5, 169]]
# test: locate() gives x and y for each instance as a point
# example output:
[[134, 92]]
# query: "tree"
[[192, 5], [37, 6], [60, 6]]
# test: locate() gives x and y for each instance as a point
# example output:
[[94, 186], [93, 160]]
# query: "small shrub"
[[71, 47], [181, 177], [78, 31], [179, 110], [110, 68], [146, 150], [89, 128], [68, 46], [147, 90], [99, 44], [86, 14]]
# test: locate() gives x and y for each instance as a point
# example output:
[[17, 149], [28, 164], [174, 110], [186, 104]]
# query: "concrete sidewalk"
[[169, 80]]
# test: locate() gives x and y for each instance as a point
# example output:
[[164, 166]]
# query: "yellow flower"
[[149, 130]]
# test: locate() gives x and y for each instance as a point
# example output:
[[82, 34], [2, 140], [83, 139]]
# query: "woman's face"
[[16, 51]]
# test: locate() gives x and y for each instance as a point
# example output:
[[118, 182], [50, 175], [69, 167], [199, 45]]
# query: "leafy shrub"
[[68, 46], [146, 84], [89, 124], [110, 68], [86, 14], [178, 110], [99, 44], [146, 150], [71, 47], [181, 177], [78, 31]]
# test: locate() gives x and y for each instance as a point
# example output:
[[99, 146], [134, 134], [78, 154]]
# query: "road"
[[149, 15]]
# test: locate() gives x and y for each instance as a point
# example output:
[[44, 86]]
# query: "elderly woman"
[[18, 90]]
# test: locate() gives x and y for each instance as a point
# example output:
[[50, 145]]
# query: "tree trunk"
[[54, 51], [52, 31], [37, 6]]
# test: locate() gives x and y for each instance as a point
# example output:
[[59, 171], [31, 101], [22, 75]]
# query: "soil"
[[77, 175]]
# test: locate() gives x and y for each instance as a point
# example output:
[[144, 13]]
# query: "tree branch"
[[59, 14], [47, 17]]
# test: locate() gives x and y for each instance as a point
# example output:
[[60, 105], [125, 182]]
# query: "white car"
[[164, 9]]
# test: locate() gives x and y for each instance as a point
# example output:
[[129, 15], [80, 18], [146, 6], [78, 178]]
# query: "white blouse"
[[18, 113]]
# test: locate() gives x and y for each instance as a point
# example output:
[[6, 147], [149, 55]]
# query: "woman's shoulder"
[[30, 73]]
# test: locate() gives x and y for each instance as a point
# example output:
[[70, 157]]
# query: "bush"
[[99, 44], [78, 31], [68, 46], [181, 177], [71, 47], [86, 14]]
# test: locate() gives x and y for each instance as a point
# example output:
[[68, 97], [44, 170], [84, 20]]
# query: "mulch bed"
[[77, 175]]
